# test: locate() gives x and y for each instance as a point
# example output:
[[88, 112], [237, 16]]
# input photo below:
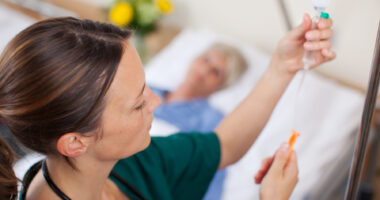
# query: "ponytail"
[[8, 179]]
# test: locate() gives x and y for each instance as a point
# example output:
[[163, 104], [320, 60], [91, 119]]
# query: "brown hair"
[[8, 180], [54, 76]]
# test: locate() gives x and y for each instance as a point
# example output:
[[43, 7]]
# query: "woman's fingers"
[[318, 40], [299, 31], [325, 23], [323, 56], [280, 159], [259, 178], [291, 169], [266, 163], [282, 176], [328, 54], [319, 34], [313, 46]]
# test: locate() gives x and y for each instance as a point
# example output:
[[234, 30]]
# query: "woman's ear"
[[72, 145]]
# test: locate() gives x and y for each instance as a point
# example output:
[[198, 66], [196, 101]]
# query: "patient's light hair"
[[236, 64]]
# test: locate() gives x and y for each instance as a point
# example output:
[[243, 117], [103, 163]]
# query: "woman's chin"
[[142, 147], [147, 142]]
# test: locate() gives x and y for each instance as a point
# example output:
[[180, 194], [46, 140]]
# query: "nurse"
[[75, 91]]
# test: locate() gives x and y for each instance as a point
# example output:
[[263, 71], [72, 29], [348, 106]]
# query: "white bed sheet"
[[327, 116]]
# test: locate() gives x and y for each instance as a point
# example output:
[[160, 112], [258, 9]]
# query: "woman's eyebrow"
[[142, 90]]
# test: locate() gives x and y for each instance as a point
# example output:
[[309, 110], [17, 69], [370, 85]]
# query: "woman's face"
[[208, 72], [127, 116]]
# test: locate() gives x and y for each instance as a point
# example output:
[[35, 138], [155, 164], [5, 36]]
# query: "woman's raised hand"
[[290, 50]]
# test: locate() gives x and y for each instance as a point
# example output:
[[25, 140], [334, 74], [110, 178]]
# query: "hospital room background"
[[328, 104]]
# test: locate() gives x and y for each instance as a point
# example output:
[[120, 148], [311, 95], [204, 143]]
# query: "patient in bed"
[[187, 107]]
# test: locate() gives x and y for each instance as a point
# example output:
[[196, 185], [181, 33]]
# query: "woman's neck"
[[88, 181]]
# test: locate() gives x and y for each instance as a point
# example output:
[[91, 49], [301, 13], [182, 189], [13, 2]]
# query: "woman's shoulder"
[[177, 144], [171, 164]]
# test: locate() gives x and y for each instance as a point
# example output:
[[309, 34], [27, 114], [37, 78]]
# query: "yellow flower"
[[165, 6], [121, 14]]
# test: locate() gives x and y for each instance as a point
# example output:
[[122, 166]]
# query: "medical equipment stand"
[[362, 137]]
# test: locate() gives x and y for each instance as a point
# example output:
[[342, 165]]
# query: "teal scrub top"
[[177, 167]]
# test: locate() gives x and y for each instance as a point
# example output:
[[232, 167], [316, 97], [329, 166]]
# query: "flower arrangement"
[[140, 15]]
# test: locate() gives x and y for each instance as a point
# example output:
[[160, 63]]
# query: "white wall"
[[257, 22], [261, 24]]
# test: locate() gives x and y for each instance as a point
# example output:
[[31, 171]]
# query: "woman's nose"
[[155, 101]]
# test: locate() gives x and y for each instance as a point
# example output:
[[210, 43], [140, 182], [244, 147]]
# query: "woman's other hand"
[[291, 48], [278, 175]]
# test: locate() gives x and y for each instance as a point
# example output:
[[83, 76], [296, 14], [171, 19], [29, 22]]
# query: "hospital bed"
[[328, 115]]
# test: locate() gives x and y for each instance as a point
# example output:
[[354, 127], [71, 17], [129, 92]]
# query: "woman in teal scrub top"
[[75, 91]]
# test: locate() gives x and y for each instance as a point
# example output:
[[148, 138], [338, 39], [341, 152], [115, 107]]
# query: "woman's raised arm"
[[239, 130]]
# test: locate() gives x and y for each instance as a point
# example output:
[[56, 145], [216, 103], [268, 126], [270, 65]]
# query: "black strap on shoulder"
[[51, 183], [134, 190], [30, 174]]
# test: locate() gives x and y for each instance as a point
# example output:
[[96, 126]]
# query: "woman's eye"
[[141, 106]]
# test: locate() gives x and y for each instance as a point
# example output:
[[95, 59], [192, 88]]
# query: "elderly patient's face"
[[208, 72]]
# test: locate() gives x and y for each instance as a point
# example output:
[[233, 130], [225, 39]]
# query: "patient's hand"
[[290, 50], [278, 175]]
